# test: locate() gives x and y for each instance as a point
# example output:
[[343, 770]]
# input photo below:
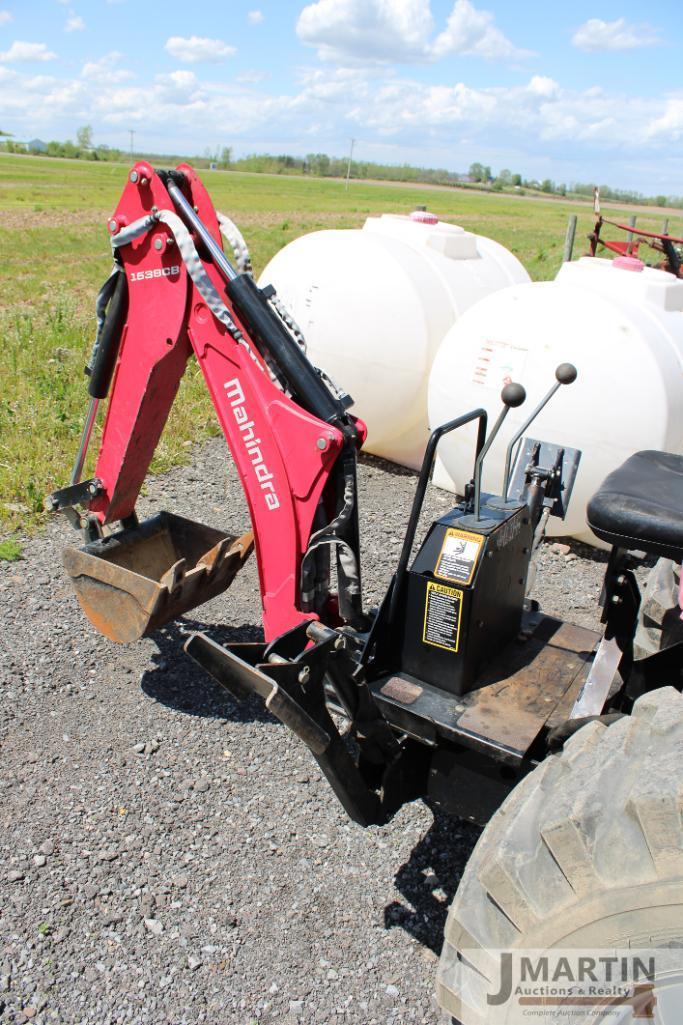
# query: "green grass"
[[10, 550], [54, 254]]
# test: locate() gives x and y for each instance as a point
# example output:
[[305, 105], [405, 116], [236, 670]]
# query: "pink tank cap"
[[424, 217], [631, 263]]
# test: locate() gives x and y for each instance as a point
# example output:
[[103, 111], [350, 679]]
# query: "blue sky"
[[588, 91]]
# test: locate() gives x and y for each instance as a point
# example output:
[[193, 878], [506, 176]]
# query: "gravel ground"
[[167, 856]]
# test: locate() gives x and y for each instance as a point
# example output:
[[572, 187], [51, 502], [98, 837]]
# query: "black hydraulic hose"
[[108, 341], [273, 338]]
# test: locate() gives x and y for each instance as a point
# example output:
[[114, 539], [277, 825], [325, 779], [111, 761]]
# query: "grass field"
[[54, 255]]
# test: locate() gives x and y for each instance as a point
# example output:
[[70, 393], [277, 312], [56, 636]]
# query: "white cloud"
[[528, 125], [473, 33], [180, 79], [23, 52], [5, 17], [179, 88], [596, 34], [105, 70], [526, 117], [542, 86], [375, 30], [74, 23], [670, 124], [198, 49], [400, 31], [255, 17]]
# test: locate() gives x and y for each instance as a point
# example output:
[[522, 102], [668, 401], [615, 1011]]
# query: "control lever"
[[566, 373], [512, 395]]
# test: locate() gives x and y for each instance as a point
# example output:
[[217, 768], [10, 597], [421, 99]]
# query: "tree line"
[[321, 165]]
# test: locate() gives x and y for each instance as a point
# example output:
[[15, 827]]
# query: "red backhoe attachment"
[[174, 293]]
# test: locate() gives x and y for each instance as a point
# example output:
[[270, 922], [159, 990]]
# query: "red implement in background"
[[661, 242]]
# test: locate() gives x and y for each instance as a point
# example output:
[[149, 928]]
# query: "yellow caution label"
[[443, 607]]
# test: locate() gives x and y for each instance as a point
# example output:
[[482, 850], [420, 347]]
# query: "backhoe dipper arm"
[[287, 457]]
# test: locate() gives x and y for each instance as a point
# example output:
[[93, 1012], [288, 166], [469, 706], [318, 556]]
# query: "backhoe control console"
[[464, 595]]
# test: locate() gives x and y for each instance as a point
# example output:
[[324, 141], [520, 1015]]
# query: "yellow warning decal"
[[459, 556], [443, 607]]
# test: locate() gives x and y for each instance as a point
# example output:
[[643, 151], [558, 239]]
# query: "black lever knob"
[[513, 395], [566, 373]]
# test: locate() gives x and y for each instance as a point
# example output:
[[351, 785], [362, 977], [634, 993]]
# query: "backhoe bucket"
[[132, 582]]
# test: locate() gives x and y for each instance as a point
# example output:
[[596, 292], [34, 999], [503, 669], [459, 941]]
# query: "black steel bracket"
[[74, 494], [66, 499], [294, 692]]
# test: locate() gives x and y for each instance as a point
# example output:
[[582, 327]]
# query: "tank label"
[[498, 363], [443, 606], [459, 556]]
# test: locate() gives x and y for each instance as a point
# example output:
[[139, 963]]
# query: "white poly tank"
[[374, 304], [619, 323]]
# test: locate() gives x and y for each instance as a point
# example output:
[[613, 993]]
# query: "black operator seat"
[[639, 506]]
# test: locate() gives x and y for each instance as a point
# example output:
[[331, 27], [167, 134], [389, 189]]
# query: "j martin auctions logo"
[[574, 986], [580, 981]]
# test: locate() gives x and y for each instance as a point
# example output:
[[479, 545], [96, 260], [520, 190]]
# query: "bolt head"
[[158, 244], [133, 176], [113, 226], [322, 444]]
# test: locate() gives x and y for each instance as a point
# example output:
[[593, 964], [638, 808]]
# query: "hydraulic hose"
[[273, 338], [108, 341]]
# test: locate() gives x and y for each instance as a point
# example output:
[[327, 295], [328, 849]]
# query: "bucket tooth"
[[139, 578], [212, 558], [173, 577]]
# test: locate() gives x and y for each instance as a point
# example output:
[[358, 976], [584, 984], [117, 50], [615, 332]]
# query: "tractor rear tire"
[[587, 852]]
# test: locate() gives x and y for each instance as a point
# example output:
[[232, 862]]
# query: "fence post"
[[569, 239]]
